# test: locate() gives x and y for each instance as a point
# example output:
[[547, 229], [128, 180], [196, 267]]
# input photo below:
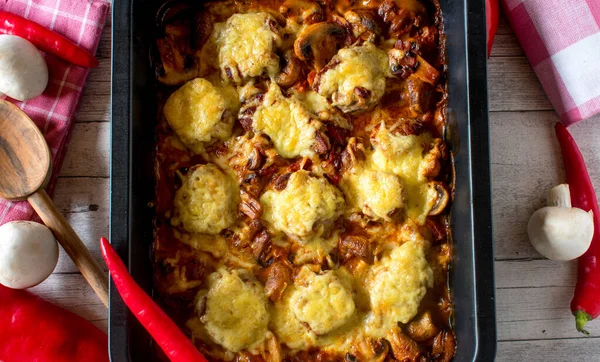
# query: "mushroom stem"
[[559, 196]]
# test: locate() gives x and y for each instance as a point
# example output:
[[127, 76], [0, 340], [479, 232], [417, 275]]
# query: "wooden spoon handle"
[[83, 259]]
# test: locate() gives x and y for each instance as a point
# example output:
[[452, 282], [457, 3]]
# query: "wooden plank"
[[535, 273], [85, 204], [577, 350], [506, 45], [105, 45], [513, 86], [95, 103], [71, 291], [503, 25], [526, 162], [537, 313], [102, 73], [88, 152]]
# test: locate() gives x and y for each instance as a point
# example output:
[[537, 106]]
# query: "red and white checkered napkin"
[[562, 41], [53, 112]]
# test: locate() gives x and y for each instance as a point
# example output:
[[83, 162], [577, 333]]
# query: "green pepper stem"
[[581, 318]]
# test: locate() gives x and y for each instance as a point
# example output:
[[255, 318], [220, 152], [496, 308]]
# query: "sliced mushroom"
[[250, 206], [364, 23], [301, 11], [442, 198], [282, 181], [279, 278], [420, 94], [291, 71], [177, 63], [400, 20], [350, 358], [422, 328], [381, 349], [322, 144], [402, 63], [355, 245], [252, 230], [204, 24], [403, 347], [352, 154], [444, 346], [255, 160], [319, 42], [260, 244]]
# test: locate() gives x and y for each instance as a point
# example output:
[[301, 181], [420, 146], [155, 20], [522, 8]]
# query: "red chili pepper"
[[46, 40], [33, 329], [586, 301], [492, 17], [168, 336]]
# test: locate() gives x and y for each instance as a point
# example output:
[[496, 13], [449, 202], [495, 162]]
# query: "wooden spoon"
[[25, 166]]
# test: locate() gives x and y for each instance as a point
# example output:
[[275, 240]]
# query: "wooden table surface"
[[532, 294]]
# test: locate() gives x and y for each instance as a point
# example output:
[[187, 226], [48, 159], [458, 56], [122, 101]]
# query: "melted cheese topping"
[[287, 122], [376, 193], [245, 46], [306, 201], [364, 66], [236, 314], [336, 308], [397, 284], [201, 113], [287, 327], [405, 156], [206, 202], [321, 301]]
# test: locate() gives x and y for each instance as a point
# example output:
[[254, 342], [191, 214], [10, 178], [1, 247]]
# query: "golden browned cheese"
[[289, 124], [406, 156], [375, 193], [306, 202], [245, 46], [201, 113], [398, 282], [235, 313], [302, 182], [206, 201], [364, 66]]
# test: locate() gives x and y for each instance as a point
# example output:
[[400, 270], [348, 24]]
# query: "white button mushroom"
[[559, 231], [28, 254], [23, 70]]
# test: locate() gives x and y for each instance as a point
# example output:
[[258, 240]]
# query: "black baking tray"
[[132, 180]]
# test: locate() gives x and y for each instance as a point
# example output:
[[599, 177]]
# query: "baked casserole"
[[302, 181]]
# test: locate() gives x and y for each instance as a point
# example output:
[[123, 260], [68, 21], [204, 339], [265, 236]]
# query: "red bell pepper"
[[46, 40], [165, 332], [32, 329], [585, 305], [492, 17]]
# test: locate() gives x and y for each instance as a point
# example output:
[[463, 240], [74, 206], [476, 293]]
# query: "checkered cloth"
[[81, 21], [562, 41]]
